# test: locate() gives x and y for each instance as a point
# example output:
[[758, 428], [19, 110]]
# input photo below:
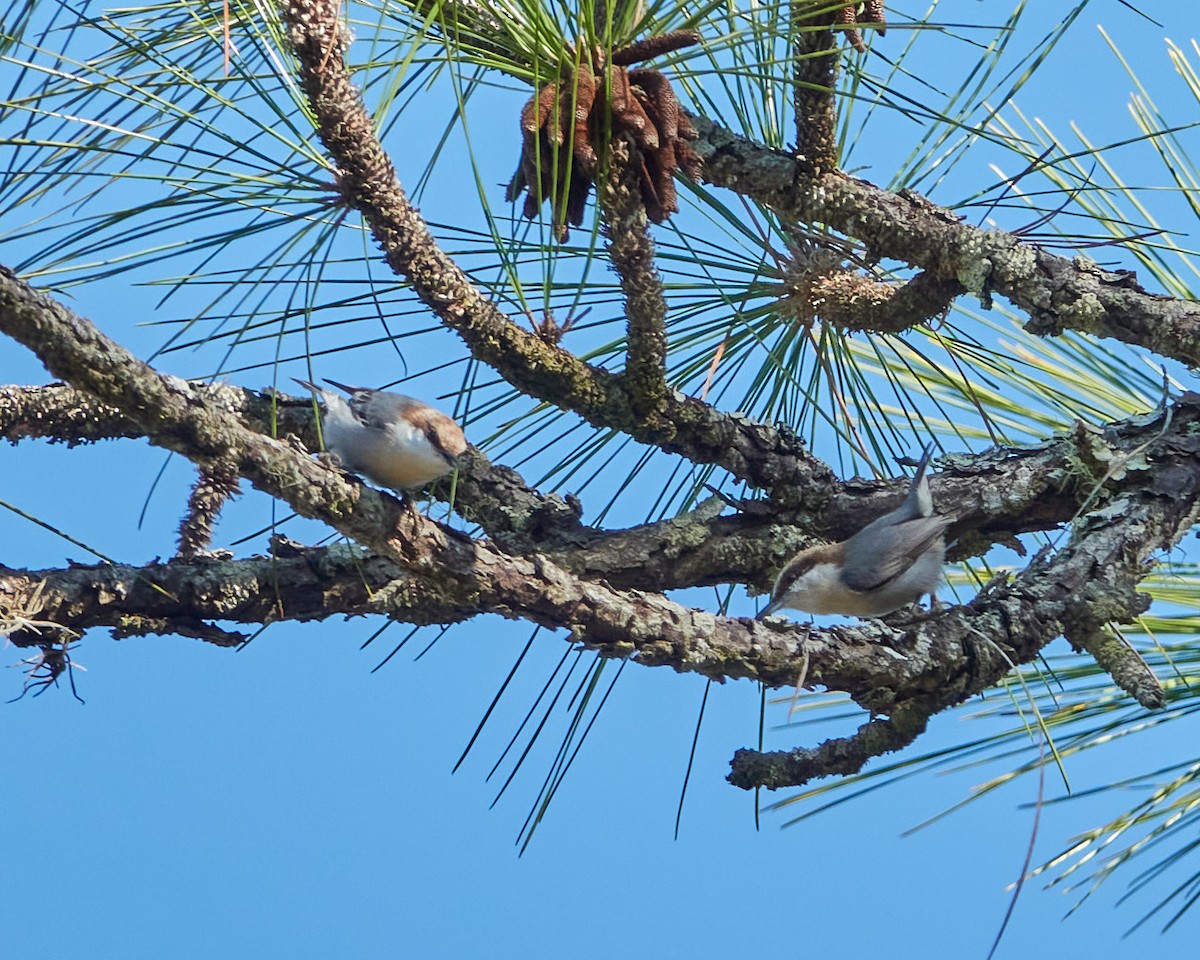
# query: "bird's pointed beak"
[[766, 611], [347, 388]]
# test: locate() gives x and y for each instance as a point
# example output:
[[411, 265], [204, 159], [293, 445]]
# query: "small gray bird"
[[889, 563], [389, 438]]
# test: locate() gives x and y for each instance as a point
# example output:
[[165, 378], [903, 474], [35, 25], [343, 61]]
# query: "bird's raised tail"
[[926, 456]]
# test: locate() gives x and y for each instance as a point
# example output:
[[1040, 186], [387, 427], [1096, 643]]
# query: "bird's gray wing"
[[875, 556], [379, 408]]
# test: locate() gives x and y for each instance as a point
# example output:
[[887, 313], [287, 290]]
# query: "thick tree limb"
[[459, 577], [912, 672], [310, 583], [60, 414], [995, 495]]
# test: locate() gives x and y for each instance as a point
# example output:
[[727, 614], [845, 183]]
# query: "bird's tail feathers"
[[919, 502], [926, 456]]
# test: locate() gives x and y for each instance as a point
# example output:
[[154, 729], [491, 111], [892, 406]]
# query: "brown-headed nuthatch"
[[392, 440], [889, 563]]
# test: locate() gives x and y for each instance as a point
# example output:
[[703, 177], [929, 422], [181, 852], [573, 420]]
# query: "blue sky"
[[286, 801]]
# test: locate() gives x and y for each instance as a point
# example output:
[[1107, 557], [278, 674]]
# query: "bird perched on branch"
[[891, 562], [389, 438]]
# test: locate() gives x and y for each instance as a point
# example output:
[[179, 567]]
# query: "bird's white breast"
[[398, 455], [820, 590]]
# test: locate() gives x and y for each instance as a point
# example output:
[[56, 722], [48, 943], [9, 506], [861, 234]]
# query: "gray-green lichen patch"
[[1082, 312]]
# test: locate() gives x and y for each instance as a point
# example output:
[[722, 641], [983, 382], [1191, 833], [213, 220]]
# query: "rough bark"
[[604, 588]]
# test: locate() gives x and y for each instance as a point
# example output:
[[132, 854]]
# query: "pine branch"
[[631, 250], [758, 454], [917, 669], [496, 497], [1058, 293], [995, 495], [814, 69]]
